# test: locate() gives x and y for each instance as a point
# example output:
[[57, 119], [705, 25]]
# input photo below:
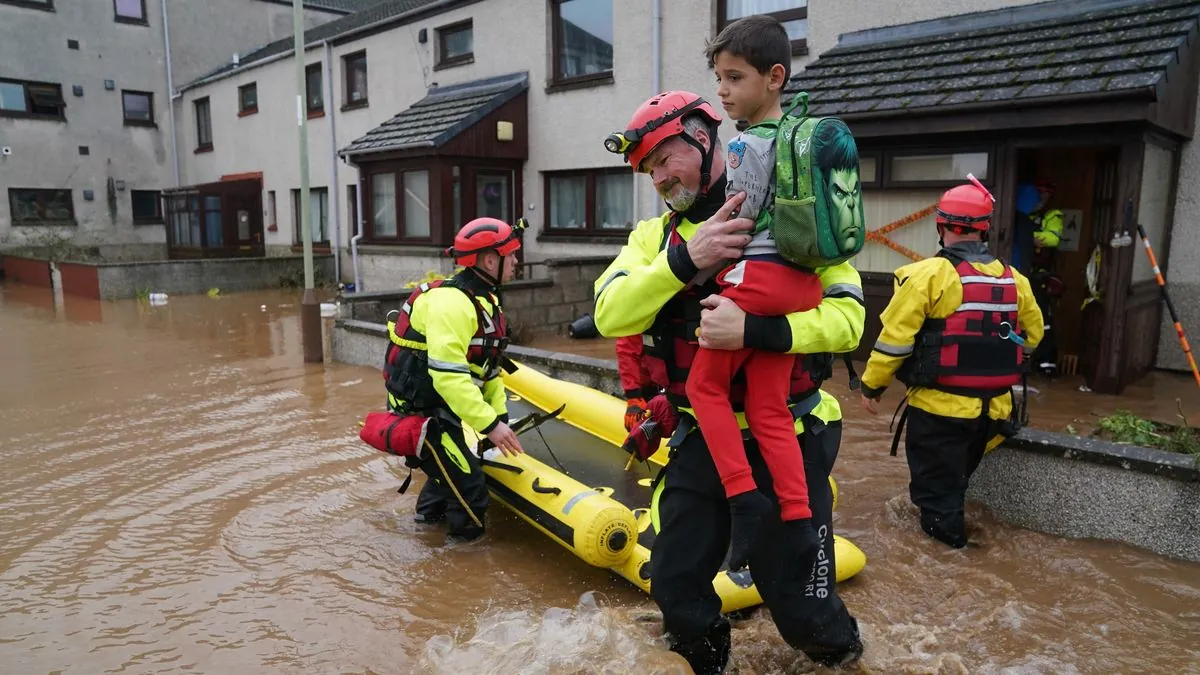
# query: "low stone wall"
[[185, 277], [1044, 481]]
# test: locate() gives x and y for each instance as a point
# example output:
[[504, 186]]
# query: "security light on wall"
[[504, 131]]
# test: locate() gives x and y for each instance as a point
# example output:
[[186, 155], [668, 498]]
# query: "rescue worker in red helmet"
[[447, 348], [957, 333], [655, 287]]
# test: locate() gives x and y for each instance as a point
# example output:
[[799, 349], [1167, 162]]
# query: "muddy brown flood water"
[[182, 493]]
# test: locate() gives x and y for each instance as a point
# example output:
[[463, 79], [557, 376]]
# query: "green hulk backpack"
[[818, 218]]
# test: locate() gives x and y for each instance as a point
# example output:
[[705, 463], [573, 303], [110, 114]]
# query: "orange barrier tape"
[[879, 236]]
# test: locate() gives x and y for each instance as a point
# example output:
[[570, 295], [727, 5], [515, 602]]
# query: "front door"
[[494, 194], [243, 223]]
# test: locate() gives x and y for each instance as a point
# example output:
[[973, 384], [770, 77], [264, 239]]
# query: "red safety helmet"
[[483, 234], [965, 208], [1045, 186], [656, 120]]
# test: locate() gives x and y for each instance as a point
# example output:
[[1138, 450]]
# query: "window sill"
[[401, 249], [248, 112], [355, 105], [585, 82], [583, 237], [140, 123], [132, 21], [318, 248], [456, 61], [203, 148], [30, 5], [45, 223], [315, 114], [16, 114]]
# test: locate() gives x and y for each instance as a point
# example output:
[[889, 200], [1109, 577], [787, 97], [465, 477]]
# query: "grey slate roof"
[[375, 12], [1052, 49], [444, 113]]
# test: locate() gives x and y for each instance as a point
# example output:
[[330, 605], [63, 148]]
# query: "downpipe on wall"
[[358, 226], [171, 96], [335, 226]]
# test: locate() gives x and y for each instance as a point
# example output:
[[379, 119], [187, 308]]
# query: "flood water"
[[182, 493]]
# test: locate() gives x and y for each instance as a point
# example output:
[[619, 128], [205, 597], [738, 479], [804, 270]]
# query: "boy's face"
[[745, 93]]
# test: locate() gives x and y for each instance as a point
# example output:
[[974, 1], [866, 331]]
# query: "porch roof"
[[443, 114], [1047, 54]]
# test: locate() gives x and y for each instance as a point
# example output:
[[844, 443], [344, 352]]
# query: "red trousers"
[[767, 289]]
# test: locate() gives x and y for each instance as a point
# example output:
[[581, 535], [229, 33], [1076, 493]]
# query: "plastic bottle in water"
[[158, 297]]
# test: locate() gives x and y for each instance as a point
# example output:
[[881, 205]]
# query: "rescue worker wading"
[[444, 361], [673, 138], [952, 334]]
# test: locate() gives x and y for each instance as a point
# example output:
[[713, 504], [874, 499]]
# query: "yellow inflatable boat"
[[606, 520]]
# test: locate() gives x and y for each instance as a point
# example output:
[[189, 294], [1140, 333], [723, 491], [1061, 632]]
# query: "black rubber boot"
[[709, 653], [844, 658], [747, 512], [951, 531]]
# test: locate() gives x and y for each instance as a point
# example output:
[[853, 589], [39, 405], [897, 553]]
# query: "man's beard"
[[679, 198]]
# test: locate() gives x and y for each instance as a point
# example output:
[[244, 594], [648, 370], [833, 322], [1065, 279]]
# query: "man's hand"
[[721, 237], [635, 412], [506, 440], [722, 324], [871, 405]]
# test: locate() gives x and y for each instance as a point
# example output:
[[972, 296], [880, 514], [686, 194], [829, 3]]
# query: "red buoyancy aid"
[[671, 343], [964, 353], [406, 368]]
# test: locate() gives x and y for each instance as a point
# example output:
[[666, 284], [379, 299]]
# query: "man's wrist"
[[770, 333], [873, 392], [679, 259]]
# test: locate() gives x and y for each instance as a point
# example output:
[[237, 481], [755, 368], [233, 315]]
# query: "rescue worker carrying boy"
[[443, 369], [956, 332]]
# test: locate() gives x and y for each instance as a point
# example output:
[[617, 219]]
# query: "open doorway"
[[1077, 187]]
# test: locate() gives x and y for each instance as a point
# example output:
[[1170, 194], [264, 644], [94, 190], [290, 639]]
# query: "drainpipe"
[[335, 234], [170, 95], [358, 212]]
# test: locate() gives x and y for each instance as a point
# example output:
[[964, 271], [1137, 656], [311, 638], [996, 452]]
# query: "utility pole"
[[310, 309]]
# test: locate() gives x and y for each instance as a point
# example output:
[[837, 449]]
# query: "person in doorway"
[[651, 288], [446, 350], [1039, 232], [953, 334]]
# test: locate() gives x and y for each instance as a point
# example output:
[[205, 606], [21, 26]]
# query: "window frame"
[[445, 31], [125, 110], [157, 219], [144, 21], [17, 222], [296, 217], [47, 6], [201, 146], [799, 47], [243, 109], [29, 114], [884, 166], [308, 70], [591, 227], [401, 237], [347, 102], [556, 37]]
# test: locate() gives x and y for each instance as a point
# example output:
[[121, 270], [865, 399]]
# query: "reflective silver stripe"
[[576, 499], [998, 281], [406, 308], [424, 287], [449, 367], [613, 277], [986, 307], [476, 342], [893, 350], [840, 289]]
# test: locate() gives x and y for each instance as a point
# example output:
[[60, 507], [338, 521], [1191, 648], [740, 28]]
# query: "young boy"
[[752, 59]]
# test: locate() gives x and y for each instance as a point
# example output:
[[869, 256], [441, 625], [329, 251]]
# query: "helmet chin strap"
[[491, 280], [706, 157]]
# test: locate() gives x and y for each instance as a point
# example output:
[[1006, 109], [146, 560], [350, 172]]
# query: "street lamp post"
[[310, 309]]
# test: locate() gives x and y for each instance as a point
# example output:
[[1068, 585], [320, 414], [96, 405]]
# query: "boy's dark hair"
[[759, 39]]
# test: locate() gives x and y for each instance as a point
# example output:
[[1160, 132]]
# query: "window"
[[312, 88], [19, 98], [583, 39], [247, 99], [589, 202], [793, 14], [139, 108], [272, 213], [130, 11], [456, 44], [399, 206], [318, 204], [47, 5], [32, 206], [937, 168], [354, 72], [147, 207], [352, 203], [203, 125]]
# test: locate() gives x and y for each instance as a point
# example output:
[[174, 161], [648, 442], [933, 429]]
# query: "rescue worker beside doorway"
[[953, 334], [652, 288], [1038, 233], [443, 364]]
